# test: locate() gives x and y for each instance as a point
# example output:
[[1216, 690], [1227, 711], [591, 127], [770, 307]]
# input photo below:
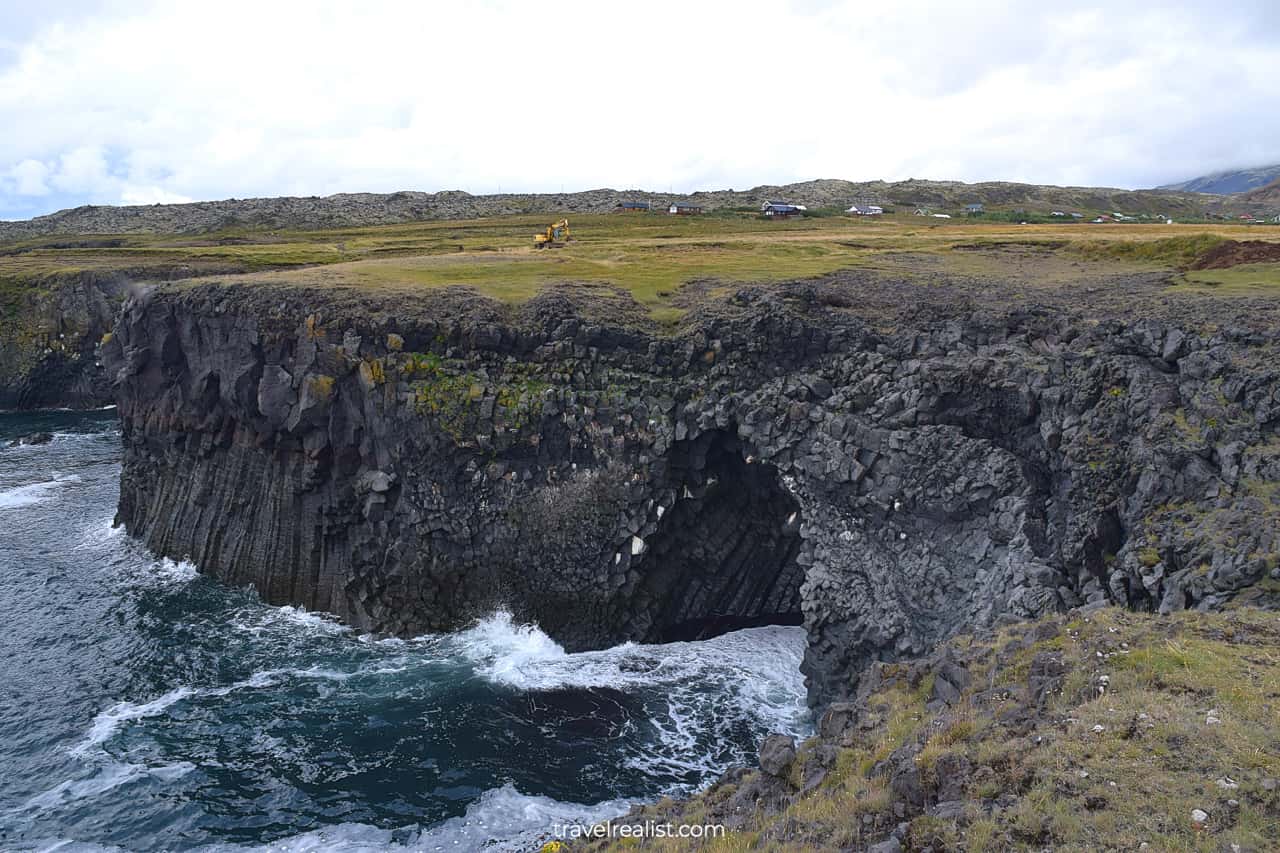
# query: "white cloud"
[[164, 101], [29, 178], [83, 170]]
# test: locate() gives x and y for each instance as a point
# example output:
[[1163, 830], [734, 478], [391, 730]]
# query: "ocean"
[[145, 707]]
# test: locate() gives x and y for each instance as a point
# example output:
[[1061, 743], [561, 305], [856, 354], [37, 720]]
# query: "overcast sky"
[[107, 101]]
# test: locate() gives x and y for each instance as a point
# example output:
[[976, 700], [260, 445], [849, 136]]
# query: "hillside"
[[366, 209], [1270, 194], [1107, 730], [1229, 181]]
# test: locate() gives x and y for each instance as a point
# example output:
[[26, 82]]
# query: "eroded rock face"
[[410, 468], [51, 339]]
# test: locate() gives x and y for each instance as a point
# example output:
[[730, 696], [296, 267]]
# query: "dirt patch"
[[1232, 253]]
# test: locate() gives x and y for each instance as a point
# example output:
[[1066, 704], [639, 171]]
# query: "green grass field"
[[650, 254]]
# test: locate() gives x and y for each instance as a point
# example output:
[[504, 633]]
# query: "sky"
[[116, 102]]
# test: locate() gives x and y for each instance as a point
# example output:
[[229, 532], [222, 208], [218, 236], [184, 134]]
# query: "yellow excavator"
[[555, 236]]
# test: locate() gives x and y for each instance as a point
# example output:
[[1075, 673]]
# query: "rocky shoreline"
[[888, 472], [1097, 729]]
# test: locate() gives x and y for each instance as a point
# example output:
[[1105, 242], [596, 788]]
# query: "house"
[[972, 209], [683, 208], [630, 206], [1057, 213], [1276, 219], [941, 216], [781, 210], [865, 210], [922, 211], [1076, 215]]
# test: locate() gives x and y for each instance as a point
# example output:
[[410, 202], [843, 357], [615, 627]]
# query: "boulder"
[[777, 753]]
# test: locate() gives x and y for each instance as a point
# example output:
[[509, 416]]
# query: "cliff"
[[1103, 730], [50, 340], [890, 465]]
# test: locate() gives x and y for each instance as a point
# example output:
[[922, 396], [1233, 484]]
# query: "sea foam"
[[33, 493], [501, 820]]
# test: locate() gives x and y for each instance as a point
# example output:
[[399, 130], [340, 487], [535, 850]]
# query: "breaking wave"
[[162, 701], [33, 493]]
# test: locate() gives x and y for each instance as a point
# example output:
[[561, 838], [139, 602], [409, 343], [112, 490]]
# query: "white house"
[[866, 210], [942, 216]]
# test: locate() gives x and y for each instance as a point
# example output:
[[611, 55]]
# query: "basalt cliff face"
[[412, 463], [51, 336]]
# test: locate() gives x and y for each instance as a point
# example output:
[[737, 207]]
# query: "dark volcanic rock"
[[776, 754], [412, 464], [51, 342]]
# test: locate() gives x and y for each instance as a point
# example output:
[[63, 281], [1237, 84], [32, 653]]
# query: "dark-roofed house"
[[683, 208], [973, 208], [781, 210], [629, 206]]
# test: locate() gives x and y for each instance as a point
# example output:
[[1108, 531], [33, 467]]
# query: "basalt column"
[[724, 556]]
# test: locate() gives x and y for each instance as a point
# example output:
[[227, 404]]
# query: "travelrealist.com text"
[[644, 829]]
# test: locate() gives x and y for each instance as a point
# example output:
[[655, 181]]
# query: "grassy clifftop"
[[649, 256], [1110, 730], [645, 269]]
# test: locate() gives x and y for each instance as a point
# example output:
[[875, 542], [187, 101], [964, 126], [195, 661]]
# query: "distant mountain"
[[1230, 181], [1270, 194]]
